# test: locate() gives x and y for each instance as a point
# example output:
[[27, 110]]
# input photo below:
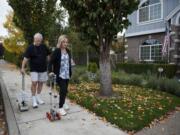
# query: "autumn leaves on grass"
[[136, 107]]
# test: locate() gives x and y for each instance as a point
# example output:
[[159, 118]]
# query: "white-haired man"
[[37, 55]]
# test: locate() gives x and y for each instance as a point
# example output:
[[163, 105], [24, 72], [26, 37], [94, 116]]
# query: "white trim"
[[145, 32], [150, 55], [147, 60], [143, 1], [177, 40], [151, 45], [177, 19], [172, 13], [126, 46], [150, 21]]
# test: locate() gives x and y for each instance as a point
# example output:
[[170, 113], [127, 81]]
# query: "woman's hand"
[[22, 71], [72, 62], [51, 74]]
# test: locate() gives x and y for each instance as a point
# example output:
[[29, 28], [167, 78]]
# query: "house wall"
[[137, 33], [153, 27], [135, 42]]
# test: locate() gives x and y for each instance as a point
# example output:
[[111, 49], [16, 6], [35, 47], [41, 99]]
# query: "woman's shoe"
[[62, 111], [66, 107]]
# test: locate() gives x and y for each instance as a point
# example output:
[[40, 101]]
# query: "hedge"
[[12, 58], [169, 70]]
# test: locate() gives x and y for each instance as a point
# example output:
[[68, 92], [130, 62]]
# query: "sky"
[[4, 9]]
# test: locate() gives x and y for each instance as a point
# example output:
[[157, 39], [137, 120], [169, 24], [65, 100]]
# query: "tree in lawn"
[[101, 20], [15, 42], [33, 16]]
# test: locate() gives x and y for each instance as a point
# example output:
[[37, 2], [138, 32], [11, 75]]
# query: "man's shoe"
[[34, 102], [39, 100]]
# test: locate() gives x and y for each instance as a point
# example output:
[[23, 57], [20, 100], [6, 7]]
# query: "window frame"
[[178, 19], [153, 20], [150, 52]]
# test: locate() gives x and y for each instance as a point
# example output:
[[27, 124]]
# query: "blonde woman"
[[60, 64]]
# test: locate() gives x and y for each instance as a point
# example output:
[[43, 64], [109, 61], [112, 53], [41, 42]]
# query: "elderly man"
[[37, 55]]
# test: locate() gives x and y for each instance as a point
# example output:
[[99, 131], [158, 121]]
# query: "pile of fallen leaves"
[[130, 108]]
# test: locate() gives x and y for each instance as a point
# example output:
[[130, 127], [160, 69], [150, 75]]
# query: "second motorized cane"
[[53, 115]]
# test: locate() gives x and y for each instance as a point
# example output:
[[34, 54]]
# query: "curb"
[[10, 117]]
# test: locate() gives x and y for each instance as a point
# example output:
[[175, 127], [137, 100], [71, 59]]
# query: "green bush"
[[171, 86], [97, 79], [169, 70], [92, 67], [147, 80], [136, 80], [13, 58], [80, 74], [77, 72], [124, 78], [164, 84]]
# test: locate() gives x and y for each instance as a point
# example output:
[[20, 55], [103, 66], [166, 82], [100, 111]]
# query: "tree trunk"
[[105, 70], [87, 56]]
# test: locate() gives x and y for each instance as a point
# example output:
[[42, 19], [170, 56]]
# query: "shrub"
[[13, 58], [152, 82], [136, 80], [171, 86], [92, 67], [77, 72], [80, 74], [97, 79], [169, 70], [164, 84], [121, 77]]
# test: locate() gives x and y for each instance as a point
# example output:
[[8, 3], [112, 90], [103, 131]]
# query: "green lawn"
[[131, 108]]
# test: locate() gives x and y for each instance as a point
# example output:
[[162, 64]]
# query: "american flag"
[[166, 44]]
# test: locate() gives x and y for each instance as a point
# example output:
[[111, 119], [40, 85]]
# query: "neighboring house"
[[149, 25]]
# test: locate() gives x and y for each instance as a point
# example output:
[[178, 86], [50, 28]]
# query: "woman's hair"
[[60, 40]]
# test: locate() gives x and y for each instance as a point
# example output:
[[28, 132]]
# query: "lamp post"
[[160, 70]]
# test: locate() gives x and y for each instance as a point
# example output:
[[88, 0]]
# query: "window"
[[150, 10], [150, 50], [178, 19]]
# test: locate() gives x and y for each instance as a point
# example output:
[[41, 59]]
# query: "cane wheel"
[[48, 115], [58, 116]]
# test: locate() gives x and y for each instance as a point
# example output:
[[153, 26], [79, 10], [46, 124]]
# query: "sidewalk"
[[33, 122]]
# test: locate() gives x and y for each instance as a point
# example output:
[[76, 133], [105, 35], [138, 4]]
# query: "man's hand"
[[24, 62], [22, 71]]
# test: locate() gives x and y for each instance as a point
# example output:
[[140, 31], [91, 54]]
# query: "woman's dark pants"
[[63, 84]]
